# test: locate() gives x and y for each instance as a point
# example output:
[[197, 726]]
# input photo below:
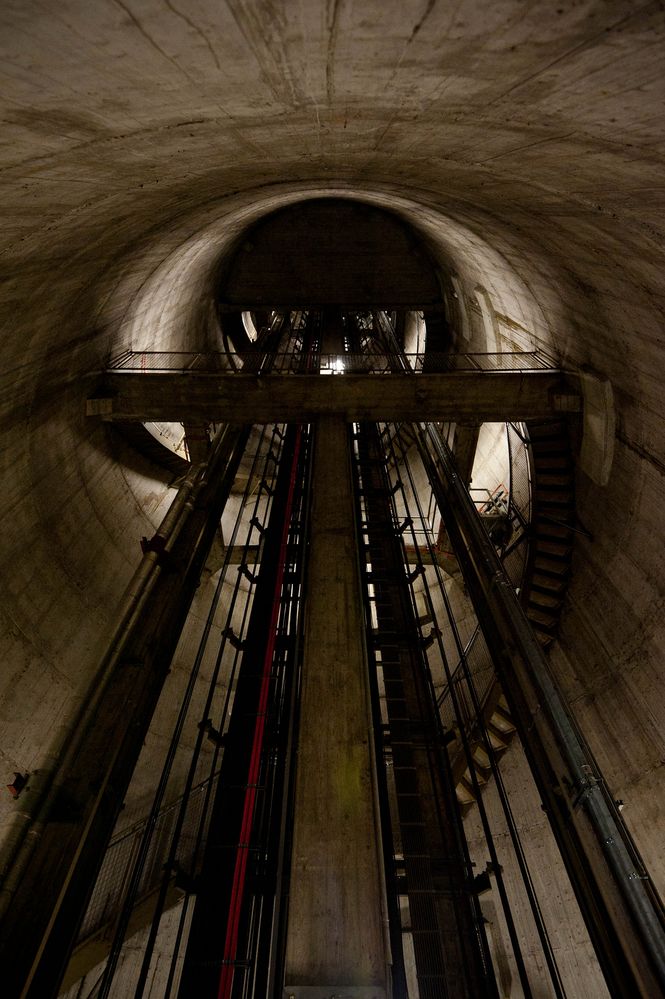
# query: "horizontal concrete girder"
[[179, 397]]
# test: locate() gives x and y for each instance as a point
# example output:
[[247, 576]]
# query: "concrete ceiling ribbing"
[[524, 141]]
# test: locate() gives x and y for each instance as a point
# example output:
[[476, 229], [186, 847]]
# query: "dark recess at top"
[[330, 252]]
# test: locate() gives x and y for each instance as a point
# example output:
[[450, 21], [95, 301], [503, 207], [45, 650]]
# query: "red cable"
[[240, 871]]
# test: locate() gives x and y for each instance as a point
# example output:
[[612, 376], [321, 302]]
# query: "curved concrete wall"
[[522, 141]]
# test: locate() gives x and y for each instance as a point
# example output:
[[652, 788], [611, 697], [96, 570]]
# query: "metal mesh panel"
[[108, 893], [520, 472], [515, 563], [481, 672], [110, 880], [510, 361], [165, 360]]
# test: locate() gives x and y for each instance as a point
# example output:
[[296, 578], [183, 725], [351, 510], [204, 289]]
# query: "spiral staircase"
[[548, 570]]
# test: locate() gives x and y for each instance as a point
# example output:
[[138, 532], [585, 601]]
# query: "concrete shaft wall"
[[524, 143]]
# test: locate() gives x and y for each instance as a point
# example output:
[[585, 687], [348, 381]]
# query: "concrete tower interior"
[[207, 206]]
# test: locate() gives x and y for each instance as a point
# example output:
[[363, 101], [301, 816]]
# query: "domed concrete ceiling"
[[523, 141]]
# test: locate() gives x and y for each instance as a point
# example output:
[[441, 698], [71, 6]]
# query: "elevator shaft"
[[238, 872], [451, 954]]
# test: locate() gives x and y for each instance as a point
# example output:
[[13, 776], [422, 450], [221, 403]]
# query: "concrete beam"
[[204, 397]]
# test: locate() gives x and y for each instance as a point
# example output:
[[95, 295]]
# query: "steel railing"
[[220, 362]]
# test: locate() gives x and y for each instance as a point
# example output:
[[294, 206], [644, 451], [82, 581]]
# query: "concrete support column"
[[336, 937]]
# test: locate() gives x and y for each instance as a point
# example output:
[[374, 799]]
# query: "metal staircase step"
[[467, 780], [500, 731], [465, 798], [553, 497], [502, 722], [543, 619], [481, 760], [553, 462], [554, 447], [550, 566], [555, 585], [561, 479], [557, 514], [550, 448], [545, 601], [546, 429], [548, 529], [498, 739], [557, 549]]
